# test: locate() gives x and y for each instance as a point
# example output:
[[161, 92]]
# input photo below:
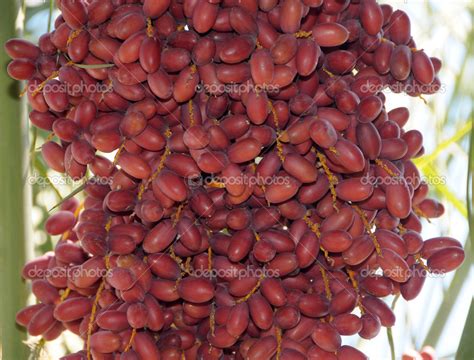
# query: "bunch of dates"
[[248, 195]]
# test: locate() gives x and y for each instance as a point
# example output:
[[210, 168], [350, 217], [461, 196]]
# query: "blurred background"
[[437, 317]]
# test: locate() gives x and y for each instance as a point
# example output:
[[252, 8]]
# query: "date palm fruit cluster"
[[261, 201]]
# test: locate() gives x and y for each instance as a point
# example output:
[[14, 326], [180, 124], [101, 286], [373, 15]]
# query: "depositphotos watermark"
[[401, 273], [399, 87], [59, 180], [243, 88], [235, 273], [71, 89], [72, 272], [222, 181], [396, 180]]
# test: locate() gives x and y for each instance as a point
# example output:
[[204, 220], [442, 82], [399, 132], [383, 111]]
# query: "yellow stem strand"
[[331, 178], [65, 294], [368, 228], [177, 214], [107, 261], [90, 326], [278, 335], [117, 154], [420, 261], [216, 184], [253, 291], [328, 72], [326, 282], [401, 229], [191, 112], [41, 86], [109, 85], [279, 145], [149, 28], [66, 234], [385, 167], [212, 319], [187, 265], [108, 224], [314, 227], [303, 34], [420, 213], [257, 236], [74, 34], [144, 186], [174, 256], [209, 260], [355, 285], [130, 341]]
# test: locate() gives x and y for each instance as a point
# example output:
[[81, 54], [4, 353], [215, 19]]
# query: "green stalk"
[[466, 346], [13, 141], [34, 138], [389, 331], [391, 343], [470, 187], [50, 14]]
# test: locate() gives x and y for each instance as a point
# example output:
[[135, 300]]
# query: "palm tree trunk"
[[13, 143]]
